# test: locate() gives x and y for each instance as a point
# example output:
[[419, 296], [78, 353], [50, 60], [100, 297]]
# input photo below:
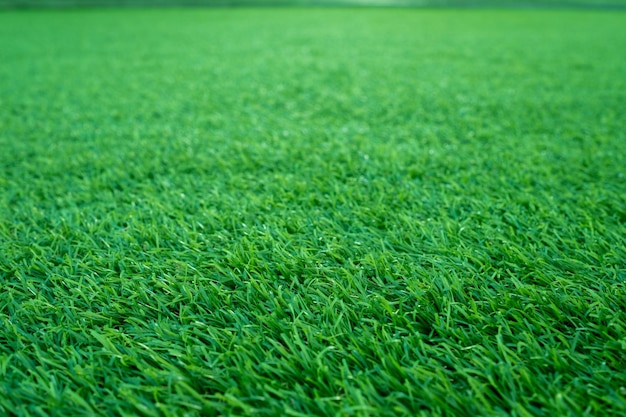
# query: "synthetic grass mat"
[[296, 212]]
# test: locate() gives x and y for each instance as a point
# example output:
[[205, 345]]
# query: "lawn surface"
[[295, 212], [595, 4]]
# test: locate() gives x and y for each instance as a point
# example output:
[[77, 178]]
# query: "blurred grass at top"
[[258, 3]]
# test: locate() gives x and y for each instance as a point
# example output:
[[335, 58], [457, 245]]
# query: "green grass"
[[296, 212], [601, 4]]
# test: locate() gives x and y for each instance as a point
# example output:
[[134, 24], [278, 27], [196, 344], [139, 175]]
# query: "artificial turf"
[[297, 212]]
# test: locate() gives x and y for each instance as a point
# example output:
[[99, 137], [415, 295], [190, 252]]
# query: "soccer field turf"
[[312, 211]]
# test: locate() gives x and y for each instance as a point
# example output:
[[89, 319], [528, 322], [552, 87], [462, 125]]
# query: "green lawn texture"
[[312, 212]]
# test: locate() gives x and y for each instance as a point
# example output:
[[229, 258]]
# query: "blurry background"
[[616, 4]]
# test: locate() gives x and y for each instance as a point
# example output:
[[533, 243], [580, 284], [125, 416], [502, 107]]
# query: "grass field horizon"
[[495, 4], [312, 212]]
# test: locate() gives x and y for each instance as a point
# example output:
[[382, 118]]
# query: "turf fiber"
[[312, 212]]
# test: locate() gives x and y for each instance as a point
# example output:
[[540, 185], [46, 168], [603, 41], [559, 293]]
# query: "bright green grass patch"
[[295, 212]]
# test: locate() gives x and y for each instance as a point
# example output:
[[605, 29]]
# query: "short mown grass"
[[312, 212]]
